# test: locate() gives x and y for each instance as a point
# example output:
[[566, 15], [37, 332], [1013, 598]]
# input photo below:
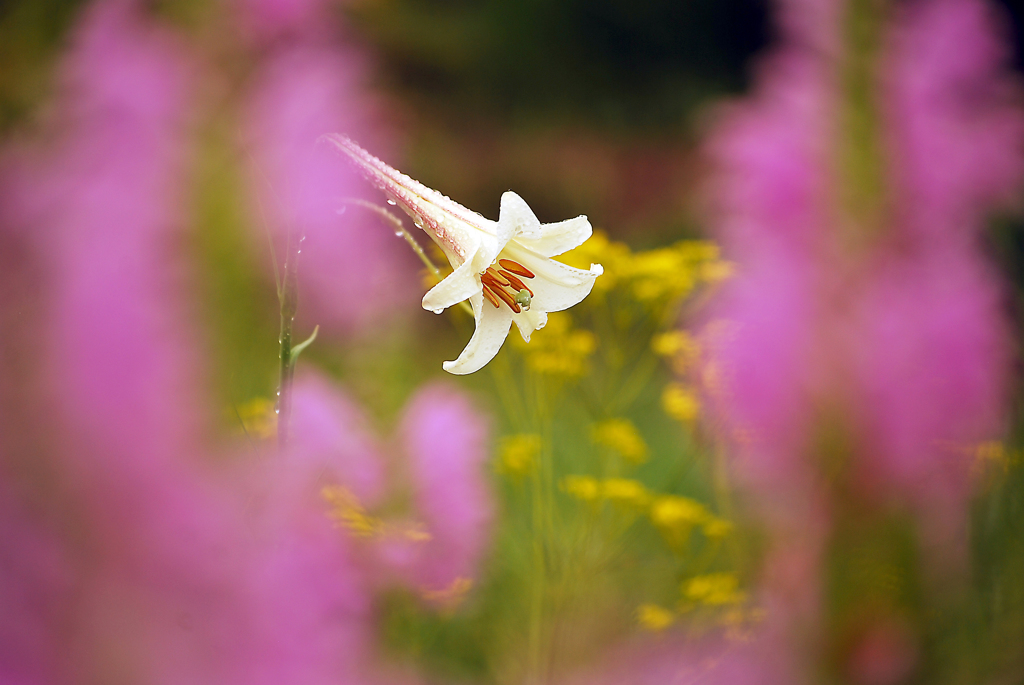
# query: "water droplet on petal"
[[437, 311], [392, 202]]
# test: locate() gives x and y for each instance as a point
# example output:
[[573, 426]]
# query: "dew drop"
[[392, 202], [437, 311]]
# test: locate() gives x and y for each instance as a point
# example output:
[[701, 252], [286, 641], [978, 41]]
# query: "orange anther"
[[507, 299], [491, 298], [515, 267], [515, 282], [501, 280]]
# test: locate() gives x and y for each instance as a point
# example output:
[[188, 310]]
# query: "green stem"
[[288, 296]]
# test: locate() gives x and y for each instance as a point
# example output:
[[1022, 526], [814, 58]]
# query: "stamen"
[[496, 276], [515, 267], [490, 280], [515, 282], [491, 298], [507, 299]]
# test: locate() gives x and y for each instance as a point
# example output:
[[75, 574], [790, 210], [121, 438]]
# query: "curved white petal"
[[553, 295], [556, 286], [492, 326], [517, 217], [459, 285], [561, 237], [530, 321]]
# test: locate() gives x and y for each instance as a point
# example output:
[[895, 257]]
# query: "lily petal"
[[560, 237], [459, 285], [530, 321], [557, 286], [492, 326], [517, 216]]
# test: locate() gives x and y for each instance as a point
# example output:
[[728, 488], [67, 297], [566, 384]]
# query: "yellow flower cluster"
[[618, 490], [655, 275], [654, 618], [675, 344], [676, 516], [258, 418], [348, 513], [517, 454], [558, 349], [449, 597], [673, 515], [680, 403], [623, 437], [714, 590]]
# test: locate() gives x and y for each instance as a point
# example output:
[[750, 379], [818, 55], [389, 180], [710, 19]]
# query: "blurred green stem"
[[288, 296]]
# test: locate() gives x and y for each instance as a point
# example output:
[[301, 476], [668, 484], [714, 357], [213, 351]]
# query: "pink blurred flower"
[[897, 346], [441, 449], [353, 270], [856, 364], [266, 20], [333, 443], [34, 586], [445, 438], [955, 128], [179, 576]]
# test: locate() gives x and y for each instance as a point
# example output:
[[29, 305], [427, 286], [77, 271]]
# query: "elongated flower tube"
[[505, 262]]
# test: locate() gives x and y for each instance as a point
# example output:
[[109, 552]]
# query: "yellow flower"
[[625, 491], [518, 454], [584, 488], [717, 528], [714, 589], [259, 418], [680, 403], [677, 513], [654, 618], [451, 596], [671, 343], [622, 436], [348, 513], [558, 350]]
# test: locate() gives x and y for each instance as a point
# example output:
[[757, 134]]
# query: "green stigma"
[[523, 299]]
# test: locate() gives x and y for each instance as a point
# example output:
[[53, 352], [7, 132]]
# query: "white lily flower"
[[504, 267]]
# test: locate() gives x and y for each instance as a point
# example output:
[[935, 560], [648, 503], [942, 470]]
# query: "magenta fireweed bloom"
[[266, 20], [901, 340], [353, 270], [177, 576], [856, 359], [436, 543], [954, 122], [35, 586], [332, 433], [445, 439], [769, 194]]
